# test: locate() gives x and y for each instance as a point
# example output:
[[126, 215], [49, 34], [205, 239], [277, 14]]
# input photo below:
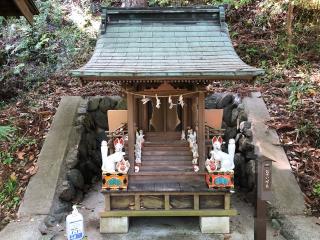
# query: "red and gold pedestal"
[[114, 181], [220, 180]]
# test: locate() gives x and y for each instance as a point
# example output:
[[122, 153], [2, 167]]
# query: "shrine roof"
[[165, 43]]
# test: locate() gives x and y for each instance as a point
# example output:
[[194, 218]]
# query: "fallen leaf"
[[20, 155], [13, 177], [25, 177], [33, 170], [31, 157]]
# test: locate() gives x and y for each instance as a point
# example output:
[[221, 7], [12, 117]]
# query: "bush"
[[61, 34]]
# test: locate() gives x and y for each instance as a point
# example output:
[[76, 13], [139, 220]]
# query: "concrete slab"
[[114, 225], [26, 229], [266, 139], [41, 188], [300, 228], [214, 224]]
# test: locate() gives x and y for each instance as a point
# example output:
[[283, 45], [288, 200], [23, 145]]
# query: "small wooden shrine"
[[163, 58]]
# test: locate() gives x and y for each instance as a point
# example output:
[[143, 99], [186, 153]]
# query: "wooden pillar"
[[145, 118], [185, 115], [196, 202], [131, 130], [260, 220], [201, 131], [165, 111], [23, 7], [189, 119], [166, 202], [137, 204], [137, 113], [140, 113], [107, 202]]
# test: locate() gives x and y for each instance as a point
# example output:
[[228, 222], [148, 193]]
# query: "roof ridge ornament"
[[222, 17], [103, 27]]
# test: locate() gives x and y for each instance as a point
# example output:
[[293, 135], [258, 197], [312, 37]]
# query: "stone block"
[[114, 225], [215, 224]]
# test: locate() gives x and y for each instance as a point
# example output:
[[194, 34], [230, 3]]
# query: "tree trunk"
[[290, 22], [134, 3]]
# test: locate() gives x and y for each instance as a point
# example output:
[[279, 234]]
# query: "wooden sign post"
[[263, 177]]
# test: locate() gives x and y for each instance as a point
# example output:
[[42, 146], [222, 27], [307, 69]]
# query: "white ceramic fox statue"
[[138, 146], [192, 137], [225, 159], [108, 162]]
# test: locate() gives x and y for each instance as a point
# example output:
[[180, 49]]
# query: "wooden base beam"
[[171, 213]]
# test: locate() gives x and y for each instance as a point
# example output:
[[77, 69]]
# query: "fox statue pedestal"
[[114, 167], [220, 165], [114, 181], [220, 180]]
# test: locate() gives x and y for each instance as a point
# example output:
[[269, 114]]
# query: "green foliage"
[[309, 130], [307, 4], [164, 3], [305, 128], [6, 158], [107, 3], [161, 3], [234, 3], [18, 69], [122, 105], [297, 91], [6, 132], [3, 104], [316, 189], [9, 135], [8, 194], [61, 33]]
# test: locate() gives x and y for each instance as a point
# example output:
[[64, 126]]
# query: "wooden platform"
[[165, 198], [166, 184]]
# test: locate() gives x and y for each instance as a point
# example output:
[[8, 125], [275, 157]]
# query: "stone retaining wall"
[[236, 125], [83, 161]]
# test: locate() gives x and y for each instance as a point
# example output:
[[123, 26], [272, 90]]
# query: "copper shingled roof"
[[169, 43]]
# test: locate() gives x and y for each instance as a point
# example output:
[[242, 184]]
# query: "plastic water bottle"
[[74, 221]]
